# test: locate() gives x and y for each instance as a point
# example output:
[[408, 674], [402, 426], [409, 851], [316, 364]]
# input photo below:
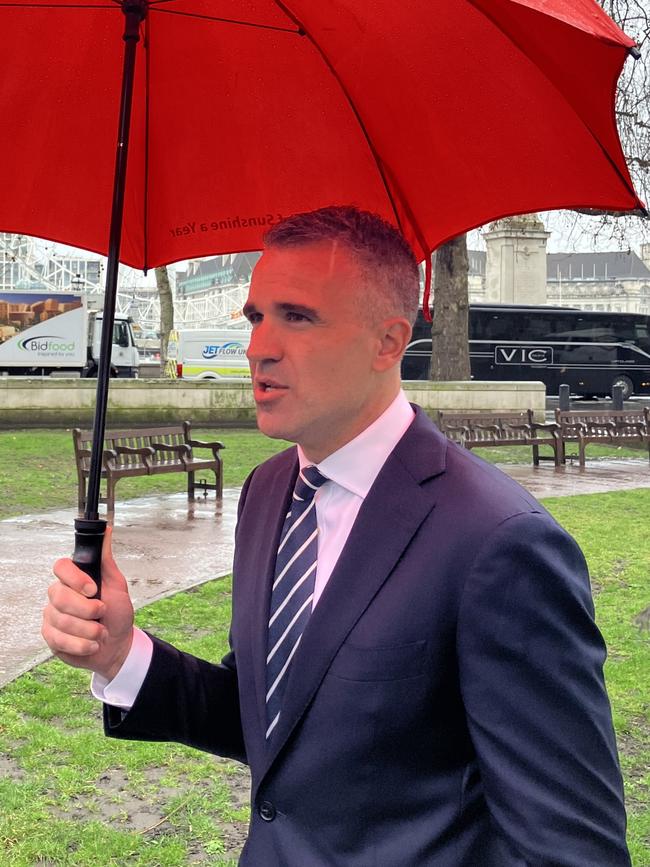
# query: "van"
[[210, 354]]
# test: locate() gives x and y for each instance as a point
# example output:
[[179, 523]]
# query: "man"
[[415, 676]]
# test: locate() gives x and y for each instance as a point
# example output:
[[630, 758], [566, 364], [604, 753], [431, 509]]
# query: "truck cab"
[[125, 359]]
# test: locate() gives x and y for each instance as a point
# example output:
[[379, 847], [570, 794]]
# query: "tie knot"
[[308, 482]]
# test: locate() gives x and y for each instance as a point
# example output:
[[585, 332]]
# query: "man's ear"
[[394, 335]]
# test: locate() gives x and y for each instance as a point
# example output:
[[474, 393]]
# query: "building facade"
[[515, 269]]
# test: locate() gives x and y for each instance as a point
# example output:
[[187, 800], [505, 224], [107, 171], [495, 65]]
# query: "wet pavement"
[[597, 477], [163, 545]]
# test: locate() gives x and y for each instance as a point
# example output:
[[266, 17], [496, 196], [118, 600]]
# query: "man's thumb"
[[109, 567]]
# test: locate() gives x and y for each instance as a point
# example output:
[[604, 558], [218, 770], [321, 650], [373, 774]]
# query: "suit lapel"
[[391, 514]]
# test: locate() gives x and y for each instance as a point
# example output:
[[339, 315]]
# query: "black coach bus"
[[589, 351]]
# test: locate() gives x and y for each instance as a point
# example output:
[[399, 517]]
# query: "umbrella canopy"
[[438, 114]]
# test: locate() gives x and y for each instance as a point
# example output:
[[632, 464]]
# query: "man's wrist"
[[122, 690], [113, 669]]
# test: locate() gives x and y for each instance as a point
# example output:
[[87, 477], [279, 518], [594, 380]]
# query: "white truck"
[[209, 354], [44, 333]]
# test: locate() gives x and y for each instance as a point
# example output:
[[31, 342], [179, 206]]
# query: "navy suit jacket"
[[446, 705]]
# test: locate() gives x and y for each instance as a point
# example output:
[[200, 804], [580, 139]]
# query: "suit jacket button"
[[267, 811]]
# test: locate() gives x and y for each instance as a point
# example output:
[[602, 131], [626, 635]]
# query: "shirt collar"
[[356, 465]]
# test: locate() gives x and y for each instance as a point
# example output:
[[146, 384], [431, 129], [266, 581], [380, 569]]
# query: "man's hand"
[[85, 632]]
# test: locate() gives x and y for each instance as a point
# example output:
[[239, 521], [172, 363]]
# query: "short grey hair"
[[388, 263]]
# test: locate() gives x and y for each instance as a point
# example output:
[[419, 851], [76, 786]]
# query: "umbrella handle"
[[88, 541]]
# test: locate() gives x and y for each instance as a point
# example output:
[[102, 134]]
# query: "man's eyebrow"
[[302, 309], [287, 307]]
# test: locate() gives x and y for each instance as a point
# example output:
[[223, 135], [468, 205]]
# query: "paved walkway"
[[163, 546]]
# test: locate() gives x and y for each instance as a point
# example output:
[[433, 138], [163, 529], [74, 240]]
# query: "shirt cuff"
[[123, 690]]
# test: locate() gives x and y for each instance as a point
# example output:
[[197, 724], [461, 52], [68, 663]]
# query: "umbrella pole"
[[89, 530]]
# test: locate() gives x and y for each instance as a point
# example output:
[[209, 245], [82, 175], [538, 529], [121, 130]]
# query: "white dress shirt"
[[351, 471]]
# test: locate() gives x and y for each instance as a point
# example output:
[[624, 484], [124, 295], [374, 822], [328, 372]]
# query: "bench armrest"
[[182, 450], [637, 426], [524, 427], [454, 428], [609, 426], [109, 458], [493, 428], [549, 426], [575, 427], [201, 444], [145, 451]]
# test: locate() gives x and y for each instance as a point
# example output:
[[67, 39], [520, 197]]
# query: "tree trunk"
[[449, 332], [166, 313]]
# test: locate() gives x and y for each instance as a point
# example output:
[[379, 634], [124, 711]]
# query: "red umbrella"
[[438, 114]]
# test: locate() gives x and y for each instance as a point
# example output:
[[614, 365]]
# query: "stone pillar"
[[516, 261]]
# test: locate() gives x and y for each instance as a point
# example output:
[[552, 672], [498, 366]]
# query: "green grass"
[[71, 797], [38, 470], [612, 530]]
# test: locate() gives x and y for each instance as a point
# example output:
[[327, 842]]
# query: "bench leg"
[[110, 495], [81, 493], [535, 456], [556, 452], [190, 486], [582, 446], [218, 480]]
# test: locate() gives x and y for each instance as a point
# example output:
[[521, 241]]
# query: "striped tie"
[[293, 588]]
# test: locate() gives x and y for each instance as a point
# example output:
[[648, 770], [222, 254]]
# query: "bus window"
[[642, 335], [540, 326], [488, 325]]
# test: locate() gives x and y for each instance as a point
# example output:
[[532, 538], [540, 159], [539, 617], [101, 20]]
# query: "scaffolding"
[[219, 308], [23, 265]]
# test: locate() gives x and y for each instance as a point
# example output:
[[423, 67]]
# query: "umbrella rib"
[[381, 168], [160, 11], [378, 162], [60, 5], [626, 183]]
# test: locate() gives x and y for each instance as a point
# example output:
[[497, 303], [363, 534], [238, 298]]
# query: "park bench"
[[492, 429], [147, 452], [615, 427]]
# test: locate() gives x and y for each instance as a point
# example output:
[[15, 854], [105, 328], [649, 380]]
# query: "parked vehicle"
[[42, 333], [589, 351], [210, 354]]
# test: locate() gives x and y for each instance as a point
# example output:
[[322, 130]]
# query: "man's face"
[[312, 358]]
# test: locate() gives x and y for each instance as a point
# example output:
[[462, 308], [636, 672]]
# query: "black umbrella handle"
[[88, 541]]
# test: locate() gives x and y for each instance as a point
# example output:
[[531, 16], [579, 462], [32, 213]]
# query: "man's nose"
[[265, 344]]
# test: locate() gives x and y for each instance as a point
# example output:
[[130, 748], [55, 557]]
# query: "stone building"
[[516, 269]]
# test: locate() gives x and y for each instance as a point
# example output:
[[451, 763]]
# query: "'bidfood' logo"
[[231, 350], [46, 343]]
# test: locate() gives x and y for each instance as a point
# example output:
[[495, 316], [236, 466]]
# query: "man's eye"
[[294, 316], [253, 318]]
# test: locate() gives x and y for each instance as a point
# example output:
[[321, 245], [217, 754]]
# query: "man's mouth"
[[269, 385]]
